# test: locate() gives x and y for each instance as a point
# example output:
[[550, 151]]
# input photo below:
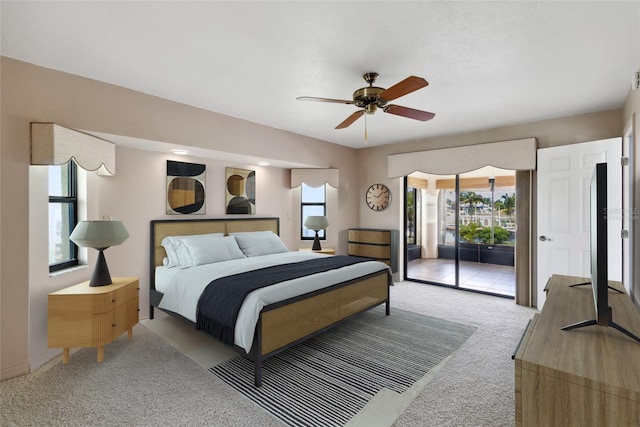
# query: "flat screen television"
[[599, 255]]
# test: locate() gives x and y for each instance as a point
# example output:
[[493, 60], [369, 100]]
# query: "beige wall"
[[136, 194]]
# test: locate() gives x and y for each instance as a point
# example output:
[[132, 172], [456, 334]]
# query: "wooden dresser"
[[375, 243], [82, 316], [582, 377]]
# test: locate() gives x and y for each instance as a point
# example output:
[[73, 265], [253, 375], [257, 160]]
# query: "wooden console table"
[[583, 377], [82, 316]]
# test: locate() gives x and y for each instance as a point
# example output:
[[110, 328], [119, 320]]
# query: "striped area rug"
[[328, 379]]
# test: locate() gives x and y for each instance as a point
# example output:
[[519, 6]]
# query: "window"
[[314, 202], [63, 216]]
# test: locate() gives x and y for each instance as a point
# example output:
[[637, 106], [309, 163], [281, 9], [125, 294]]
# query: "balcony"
[[481, 277]]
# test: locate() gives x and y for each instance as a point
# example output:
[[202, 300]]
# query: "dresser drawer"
[[108, 301], [125, 294], [370, 236], [372, 251], [124, 317]]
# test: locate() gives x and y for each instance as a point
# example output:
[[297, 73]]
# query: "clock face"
[[378, 197]]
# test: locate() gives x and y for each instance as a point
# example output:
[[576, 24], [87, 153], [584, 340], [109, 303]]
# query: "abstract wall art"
[[241, 191], [185, 188]]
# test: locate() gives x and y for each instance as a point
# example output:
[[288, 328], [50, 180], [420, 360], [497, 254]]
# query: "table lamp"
[[316, 223], [99, 235]]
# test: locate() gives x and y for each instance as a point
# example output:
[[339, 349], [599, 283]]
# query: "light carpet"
[[142, 382], [327, 380]]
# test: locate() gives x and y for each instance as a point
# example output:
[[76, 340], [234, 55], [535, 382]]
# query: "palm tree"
[[471, 199], [508, 204]]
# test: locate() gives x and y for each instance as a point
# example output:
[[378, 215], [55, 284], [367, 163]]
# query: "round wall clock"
[[378, 197]]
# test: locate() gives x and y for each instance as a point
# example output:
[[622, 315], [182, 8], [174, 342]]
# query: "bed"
[[272, 317]]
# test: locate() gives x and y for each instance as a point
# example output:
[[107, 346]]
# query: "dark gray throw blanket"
[[220, 302]]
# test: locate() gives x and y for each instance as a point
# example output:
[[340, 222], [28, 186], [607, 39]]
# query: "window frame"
[[72, 200], [322, 235], [417, 205]]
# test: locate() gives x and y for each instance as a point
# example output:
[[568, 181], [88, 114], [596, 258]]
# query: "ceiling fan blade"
[[313, 98], [408, 85], [352, 118], [409, 112]]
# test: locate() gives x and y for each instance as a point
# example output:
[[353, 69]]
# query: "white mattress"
[[182, 287]]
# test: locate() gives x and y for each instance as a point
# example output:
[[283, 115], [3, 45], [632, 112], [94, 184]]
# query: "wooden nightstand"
[[82, 316], [328, 251]]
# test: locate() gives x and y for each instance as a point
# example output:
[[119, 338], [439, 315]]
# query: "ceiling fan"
[[371, 97]]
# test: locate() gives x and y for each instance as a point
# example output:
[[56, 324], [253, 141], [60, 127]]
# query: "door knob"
[[544, 238]]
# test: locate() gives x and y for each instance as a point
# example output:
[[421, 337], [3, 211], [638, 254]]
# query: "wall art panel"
[[185, 188], [241, 191]]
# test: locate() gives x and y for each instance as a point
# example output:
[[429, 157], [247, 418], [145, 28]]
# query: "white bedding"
[[182, 287]]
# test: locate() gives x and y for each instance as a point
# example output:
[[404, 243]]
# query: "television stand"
[[611, 323], [589, 283], [586, 378]]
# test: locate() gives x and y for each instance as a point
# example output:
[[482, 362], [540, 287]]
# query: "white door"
[[627, 211], [563, 180]]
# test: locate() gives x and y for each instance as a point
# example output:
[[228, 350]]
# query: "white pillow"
[[260, 243], [205, 250], [251, 233], [172, 255], [177, 254], [184, 257]]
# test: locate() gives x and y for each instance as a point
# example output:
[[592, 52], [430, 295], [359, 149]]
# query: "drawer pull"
[[113, 300], [113, 325]]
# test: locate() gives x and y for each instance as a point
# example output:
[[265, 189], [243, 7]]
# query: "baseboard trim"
[[44, 358], [14, 371]]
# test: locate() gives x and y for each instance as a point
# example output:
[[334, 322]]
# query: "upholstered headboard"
[[181, 227]]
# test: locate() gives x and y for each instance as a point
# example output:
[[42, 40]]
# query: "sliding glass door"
[[461, 230]]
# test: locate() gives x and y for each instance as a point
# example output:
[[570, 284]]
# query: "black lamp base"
[[100, 276], [316, 243]]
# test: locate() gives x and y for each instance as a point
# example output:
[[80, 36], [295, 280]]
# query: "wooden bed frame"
[[286, 323]]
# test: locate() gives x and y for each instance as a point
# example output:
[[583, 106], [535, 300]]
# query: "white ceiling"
[[489, 64]]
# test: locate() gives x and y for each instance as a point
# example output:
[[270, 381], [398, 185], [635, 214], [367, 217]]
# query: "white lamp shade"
[[316, 222], [99, 234]]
